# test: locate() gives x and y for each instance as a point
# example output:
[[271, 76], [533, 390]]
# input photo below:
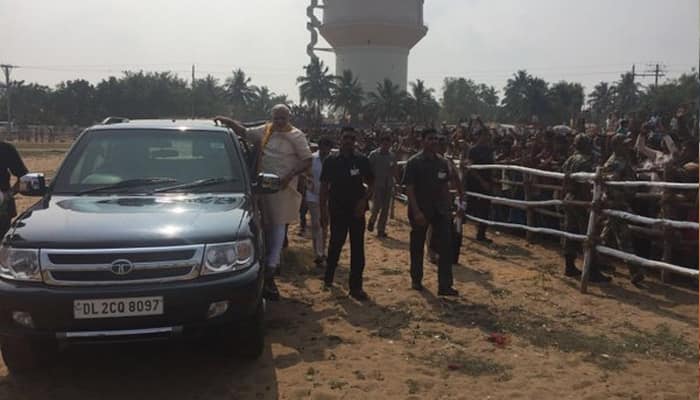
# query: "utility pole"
[[7, 68], [193, 97], [657, 72]]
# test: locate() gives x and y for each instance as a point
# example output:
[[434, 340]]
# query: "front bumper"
[[185, 306]]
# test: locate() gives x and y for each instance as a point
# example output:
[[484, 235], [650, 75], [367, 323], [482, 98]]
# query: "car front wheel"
[[24, 355]]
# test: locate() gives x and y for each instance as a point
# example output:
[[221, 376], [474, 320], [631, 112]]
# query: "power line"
[[657, 71]]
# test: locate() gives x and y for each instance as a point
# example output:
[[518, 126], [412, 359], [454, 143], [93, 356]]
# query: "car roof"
[[161, 124]]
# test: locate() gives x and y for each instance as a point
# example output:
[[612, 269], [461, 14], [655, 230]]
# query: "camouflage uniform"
[[576, 218], [616, 231]]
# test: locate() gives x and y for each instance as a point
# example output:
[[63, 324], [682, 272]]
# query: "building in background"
[[373, 38]]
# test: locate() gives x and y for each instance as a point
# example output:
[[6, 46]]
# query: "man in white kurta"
[[284, 151]]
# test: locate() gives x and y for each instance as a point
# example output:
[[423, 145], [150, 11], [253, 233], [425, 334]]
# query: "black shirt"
[[10, 162], [479, 154], [345, 175], [430, 178]]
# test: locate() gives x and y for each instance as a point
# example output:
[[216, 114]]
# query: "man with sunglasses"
[[427, 179], [384, 167], [344, 201]]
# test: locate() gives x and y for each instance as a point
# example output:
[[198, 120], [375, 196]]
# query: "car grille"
[[96, 266]]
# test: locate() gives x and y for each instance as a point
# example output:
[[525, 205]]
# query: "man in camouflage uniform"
[[615, 231], [576, 218]]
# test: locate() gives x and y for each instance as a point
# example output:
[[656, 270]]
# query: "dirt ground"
[[617, 342]]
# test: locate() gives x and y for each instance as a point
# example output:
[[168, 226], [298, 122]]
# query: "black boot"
[[270, 291], [597, 277], [570, 270], [481, 234]]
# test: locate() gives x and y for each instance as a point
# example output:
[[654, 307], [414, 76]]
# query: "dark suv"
[[150, 229]]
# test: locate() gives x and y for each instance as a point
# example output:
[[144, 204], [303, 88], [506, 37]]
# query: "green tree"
[[240, 92], [74, 102], [525, 97], [31, 104], [347, 95], [261, 104], [566, 100], [422, 104], [208, 97], [387, 102], [666, 98], [316, 87], [627, 93], [601, 100]]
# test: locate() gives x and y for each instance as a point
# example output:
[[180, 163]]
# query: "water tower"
[[372, 38]]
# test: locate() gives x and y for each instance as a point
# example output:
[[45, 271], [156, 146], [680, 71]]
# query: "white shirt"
[[313, 190]]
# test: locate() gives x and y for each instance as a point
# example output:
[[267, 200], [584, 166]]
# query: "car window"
[[105, 158]]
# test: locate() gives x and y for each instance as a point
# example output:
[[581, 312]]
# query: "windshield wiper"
[[128, 183], [194, 184]]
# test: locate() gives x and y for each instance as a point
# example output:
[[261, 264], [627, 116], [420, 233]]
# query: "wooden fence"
[[663, 227]]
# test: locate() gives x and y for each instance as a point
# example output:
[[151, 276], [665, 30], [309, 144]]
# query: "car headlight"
[[20, 264], [227, 257]]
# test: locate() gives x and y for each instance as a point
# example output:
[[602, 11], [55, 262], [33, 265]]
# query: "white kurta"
[[283, 152]]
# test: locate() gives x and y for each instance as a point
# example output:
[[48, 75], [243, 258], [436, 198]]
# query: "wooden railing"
[[591, 238]]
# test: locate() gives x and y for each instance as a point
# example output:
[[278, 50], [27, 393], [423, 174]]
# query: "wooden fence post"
[[592, 231], [666, 213], [530, 213]]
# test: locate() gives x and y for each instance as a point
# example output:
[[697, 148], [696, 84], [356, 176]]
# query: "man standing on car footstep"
[[344, 200], [282, 150]]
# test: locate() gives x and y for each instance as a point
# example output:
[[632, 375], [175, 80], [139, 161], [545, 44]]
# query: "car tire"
[[246, 340], [251, 335], [23, 355]]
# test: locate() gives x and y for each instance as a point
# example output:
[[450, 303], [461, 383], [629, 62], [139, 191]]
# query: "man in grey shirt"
[[383, 163]]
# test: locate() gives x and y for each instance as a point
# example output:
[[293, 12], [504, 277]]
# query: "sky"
[[485, 40]]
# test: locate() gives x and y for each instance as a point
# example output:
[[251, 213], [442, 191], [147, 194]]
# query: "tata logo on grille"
[[122, 267]]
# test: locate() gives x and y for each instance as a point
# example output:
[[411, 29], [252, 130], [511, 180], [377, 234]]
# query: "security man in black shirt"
[[344, 198], [10, 163], [427, 177]]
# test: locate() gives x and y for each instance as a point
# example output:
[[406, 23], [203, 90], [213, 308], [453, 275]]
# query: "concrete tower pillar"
[[373, 38]]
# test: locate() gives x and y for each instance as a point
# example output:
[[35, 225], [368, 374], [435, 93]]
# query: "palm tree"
[[626, 93], [422, 102], [348, 95], [316, 86], [239, 91], [515, 98], [601, 99], [525, 97], [261, 104], [387, 101]]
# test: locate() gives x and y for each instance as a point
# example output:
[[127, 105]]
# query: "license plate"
[[117, 308]]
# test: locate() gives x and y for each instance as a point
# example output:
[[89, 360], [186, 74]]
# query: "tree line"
[[164, 95]]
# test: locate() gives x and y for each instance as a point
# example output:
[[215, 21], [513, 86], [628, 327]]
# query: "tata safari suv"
[[150, 229]]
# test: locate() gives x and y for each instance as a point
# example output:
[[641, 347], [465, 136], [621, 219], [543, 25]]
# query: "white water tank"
[[372, 38]]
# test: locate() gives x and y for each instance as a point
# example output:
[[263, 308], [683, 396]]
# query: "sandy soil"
[[617, 342]]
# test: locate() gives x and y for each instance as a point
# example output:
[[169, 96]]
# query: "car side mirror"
[[33, 184], [267, 184]]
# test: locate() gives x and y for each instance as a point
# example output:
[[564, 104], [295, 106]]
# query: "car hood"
[[131, 221]]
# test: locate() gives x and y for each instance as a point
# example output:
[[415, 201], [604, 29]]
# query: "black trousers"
[[479, 208], [443, 233], [341, 225]]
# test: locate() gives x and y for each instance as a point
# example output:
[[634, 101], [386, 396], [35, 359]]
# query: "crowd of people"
[[340, 175], [428, 165]]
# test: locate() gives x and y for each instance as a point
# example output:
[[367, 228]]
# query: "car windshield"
[[107, 162]]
